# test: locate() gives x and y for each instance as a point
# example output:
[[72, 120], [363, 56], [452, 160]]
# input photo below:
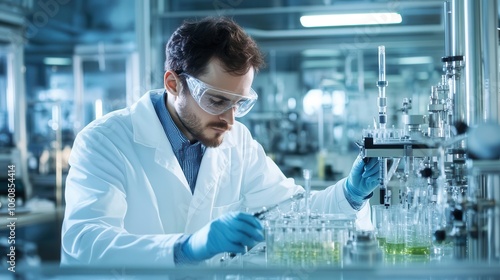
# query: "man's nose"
[[228, 115]]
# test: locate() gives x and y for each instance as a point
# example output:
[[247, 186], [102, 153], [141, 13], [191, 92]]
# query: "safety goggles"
[[217, 101]]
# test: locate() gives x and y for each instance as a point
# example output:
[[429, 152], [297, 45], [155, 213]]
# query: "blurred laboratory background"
[[64, 63]]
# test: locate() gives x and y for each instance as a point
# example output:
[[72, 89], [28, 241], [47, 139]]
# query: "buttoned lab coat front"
[[127, 199]]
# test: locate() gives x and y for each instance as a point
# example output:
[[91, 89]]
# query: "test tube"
[[382, 84], [382, 180], [306, 173]]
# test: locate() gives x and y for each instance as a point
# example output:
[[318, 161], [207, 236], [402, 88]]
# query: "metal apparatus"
[[363, 249], [447, 190]]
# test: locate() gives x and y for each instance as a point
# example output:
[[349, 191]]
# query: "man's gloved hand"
[[362, 180], [229, 233]]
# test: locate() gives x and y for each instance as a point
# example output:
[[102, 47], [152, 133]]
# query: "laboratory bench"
[[254, 265], [242, 271]]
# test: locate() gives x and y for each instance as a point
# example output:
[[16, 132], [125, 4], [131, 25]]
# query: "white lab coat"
[[127, 199]]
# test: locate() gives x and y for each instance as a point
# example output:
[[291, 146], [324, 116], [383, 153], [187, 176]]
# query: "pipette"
[[261, 214]]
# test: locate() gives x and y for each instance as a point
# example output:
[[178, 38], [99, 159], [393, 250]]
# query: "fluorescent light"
[[98, 108], [350, 19], [321, 52], [323, 63], [415, 60], [57, 61]]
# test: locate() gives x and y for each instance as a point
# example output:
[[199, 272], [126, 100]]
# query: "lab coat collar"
[[228, 141], [148, 131], [147, 128]]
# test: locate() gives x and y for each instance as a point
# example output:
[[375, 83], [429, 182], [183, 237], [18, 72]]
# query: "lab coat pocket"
[[218, 211]]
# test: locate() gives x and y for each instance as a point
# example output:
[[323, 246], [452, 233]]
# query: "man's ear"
[[172, 82]]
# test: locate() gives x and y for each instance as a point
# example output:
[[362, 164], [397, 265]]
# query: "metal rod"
[[448, 38], [58, 151]]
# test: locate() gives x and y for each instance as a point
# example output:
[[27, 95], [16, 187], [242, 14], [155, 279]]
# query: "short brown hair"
[[194, 44]]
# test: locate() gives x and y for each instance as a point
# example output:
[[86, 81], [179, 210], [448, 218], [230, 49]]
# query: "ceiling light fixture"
[[350, 19], [415, 60], [59, 61]]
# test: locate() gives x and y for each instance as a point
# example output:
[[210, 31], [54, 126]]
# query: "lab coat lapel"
[[149, 132], [213, 165], [165, 157]]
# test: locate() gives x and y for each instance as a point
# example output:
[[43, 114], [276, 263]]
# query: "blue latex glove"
[[229, 233], [362, 180]]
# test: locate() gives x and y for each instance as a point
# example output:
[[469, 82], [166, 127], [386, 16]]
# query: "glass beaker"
[[395, 230], [336, 230], [270, 235], [380, 223], [418, 238], [277, 241]]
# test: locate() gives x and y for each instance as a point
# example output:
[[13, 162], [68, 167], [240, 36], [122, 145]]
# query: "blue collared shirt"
[[188, 154]]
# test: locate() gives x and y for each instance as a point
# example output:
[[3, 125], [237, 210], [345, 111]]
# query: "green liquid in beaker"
[[306, 253], [296, 252], [394, 248], [419, 250], [333, 255]]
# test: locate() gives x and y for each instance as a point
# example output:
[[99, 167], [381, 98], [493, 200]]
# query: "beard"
[[194, 126]]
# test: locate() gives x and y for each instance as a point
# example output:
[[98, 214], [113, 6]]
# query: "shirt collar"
[[177, 139]]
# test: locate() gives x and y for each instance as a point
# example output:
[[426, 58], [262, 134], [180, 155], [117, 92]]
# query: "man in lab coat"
[[163, 182]]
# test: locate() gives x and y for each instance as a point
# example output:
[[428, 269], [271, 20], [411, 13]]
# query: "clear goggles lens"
[[217, 101]]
